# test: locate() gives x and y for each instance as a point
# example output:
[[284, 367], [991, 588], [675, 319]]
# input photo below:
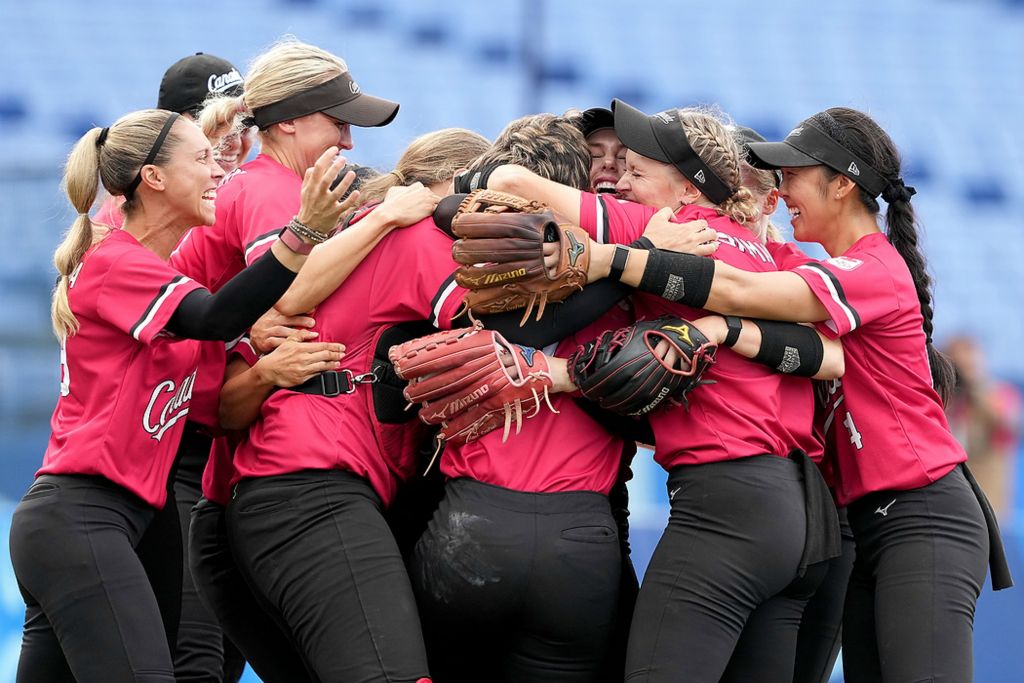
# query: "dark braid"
[[861, 135]]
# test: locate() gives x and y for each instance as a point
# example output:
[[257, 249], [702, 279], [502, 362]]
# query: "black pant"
[[721, 599], [91, 614], [817, 645], [317, 552], [221, 587], [517, 586], [921, 561], [201, 653]]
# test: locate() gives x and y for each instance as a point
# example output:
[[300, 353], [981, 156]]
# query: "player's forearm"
[[332, 262], [241, 398], [789, 348], [517, 180]]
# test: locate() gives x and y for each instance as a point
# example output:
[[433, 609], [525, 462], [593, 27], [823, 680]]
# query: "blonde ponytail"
[[81, 183]]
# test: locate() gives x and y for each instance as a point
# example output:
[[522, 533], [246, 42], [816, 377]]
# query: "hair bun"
[[898, 191]]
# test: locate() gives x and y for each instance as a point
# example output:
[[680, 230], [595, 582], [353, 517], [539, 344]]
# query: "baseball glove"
[[501, 252], [472, 381], [621, 372]]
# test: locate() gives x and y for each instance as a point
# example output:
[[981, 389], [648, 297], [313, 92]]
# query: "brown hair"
[[551, 146]]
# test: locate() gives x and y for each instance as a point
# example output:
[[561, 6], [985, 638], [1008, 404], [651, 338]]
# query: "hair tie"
[[399, 176], [102, 137], [898, 191]]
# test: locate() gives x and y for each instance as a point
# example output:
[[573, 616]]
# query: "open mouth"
[[210, 196], [794, 214], [605, 186]]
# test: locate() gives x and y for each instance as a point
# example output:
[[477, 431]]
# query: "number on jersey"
[[852, 428]]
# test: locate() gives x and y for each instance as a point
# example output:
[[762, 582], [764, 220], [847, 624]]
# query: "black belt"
[[334, 383]]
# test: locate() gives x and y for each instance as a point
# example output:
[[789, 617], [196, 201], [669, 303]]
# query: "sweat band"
[[790, 348], [683, 278]]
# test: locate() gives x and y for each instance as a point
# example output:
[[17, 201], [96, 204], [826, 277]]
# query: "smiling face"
[[651, 182], [192, 176], [807, 193], [607, 160]]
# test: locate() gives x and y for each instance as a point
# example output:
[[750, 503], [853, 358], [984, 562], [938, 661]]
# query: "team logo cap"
[[189, 81]]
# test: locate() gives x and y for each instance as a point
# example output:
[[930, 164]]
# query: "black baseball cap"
[[594, 119], [809, 145], [661, 137], [189, 81], [340, 98], [744, 136]]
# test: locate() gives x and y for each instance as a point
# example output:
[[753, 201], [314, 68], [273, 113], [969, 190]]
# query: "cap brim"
[[778, 155], [634, 129], [365, 111]]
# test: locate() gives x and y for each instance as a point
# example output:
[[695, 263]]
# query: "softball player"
[[125, 392], [923, 531], [707, 623]]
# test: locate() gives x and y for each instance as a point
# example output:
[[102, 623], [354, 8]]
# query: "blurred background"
[[944, 77]]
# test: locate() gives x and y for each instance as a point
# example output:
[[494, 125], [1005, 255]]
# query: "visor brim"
[[771, 155], [635, 131], [365, 111]]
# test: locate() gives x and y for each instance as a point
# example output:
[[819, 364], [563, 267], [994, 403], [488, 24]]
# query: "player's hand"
[[295, 361], [322, 207], [273, 328], [693, 237], [407, 204]]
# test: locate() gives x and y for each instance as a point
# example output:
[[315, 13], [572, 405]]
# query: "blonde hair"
[[430, 158], [286, 68], [706, 132], [760, 182], [551, 146], [115, 163]]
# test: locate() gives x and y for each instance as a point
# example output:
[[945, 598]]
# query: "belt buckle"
[[331, 387]]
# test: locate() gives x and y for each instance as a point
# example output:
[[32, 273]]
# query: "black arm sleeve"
[[236, 306], [560, 320]]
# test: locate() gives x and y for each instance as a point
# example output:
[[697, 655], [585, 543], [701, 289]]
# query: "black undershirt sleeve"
[[560, 320], [235, 307]]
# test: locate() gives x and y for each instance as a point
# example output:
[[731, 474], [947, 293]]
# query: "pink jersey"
[[253, 204], [883, 419], [797, 392], [564, 452], [110, 213], [743, 413], [409, 276], [126, 385]]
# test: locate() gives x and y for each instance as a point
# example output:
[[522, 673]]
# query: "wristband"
[[735, 326], [307, 233], [618, 262], [295, 243], [474, 178]]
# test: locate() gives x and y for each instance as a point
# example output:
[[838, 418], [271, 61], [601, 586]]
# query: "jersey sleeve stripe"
[[444, 291], [602, 221], [260, 241], [156, 303], [835, 290]]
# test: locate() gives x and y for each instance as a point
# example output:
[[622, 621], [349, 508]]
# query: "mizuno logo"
[[575, 248], [673, 492], [699, 175], [885, 511], [683, 331], [528, 353], [493, 278], [853, 168]]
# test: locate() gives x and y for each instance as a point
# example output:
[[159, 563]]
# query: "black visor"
[[595, 119], [661, 137], [807, 145], [340, 98]]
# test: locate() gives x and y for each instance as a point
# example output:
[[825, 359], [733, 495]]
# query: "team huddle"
[[346, 426]]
